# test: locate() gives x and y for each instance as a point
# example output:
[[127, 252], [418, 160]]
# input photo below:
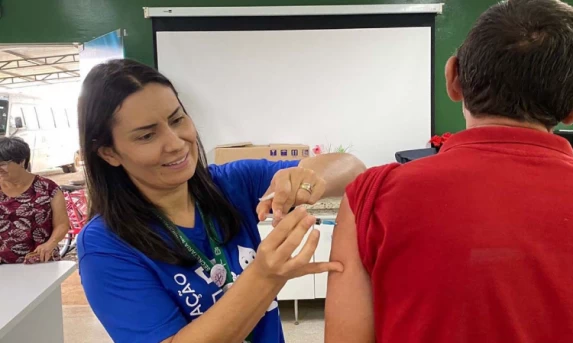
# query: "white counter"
[[31, 302]]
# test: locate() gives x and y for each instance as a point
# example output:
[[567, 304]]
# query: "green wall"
[[64, 21]]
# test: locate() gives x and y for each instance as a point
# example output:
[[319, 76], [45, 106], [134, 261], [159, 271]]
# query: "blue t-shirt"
[[138, 299]]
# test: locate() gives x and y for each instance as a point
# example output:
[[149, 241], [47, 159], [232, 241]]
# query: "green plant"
[[327, 149]]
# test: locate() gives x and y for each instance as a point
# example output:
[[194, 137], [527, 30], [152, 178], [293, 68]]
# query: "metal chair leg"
[[296, 312]]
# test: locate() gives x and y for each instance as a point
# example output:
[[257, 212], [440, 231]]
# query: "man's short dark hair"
[[517, 62], [14, 149]]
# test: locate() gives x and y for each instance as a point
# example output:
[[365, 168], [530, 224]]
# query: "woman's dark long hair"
[[113, 195]]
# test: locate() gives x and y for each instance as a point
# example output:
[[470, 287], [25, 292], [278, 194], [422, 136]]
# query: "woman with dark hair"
[[170, 235], [33, 217]]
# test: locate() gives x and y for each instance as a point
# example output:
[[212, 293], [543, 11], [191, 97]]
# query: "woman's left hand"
[[292, 187], [46, 250]]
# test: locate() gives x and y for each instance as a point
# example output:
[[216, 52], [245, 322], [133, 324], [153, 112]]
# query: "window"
[[72, 114], [30, 118], [3, 116], [60, 118], [16, 115], [45, 117]]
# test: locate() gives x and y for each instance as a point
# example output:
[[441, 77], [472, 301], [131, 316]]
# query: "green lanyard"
[[220, 272]]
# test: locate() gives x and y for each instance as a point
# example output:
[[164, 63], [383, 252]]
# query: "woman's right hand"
[[274, 258]]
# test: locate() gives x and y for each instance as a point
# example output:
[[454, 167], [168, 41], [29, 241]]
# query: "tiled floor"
[[81, 325], [311, 321], [62, 179]]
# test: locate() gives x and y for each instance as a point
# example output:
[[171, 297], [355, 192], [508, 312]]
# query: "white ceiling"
[[34, 65]]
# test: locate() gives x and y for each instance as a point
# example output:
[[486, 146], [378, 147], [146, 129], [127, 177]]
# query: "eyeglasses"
[[4, 163]]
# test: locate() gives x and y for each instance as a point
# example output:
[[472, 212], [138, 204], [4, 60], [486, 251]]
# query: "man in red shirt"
[[474, 244]]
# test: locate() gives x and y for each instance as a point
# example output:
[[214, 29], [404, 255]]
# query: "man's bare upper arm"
[[349, 313]]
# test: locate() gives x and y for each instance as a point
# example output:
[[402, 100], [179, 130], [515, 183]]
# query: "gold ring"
[[307, 187]]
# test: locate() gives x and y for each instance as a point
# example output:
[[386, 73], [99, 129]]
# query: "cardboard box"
[[271, 152]]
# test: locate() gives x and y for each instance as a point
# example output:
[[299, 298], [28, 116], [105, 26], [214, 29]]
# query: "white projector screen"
[[369, 89]]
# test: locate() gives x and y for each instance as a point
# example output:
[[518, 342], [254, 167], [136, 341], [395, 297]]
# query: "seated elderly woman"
[[33, 217]]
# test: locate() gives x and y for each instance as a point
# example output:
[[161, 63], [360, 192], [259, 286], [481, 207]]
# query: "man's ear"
[[568, 120], [453, 85], [109, 155]]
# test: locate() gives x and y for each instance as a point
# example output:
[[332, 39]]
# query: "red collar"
[[508, 135]]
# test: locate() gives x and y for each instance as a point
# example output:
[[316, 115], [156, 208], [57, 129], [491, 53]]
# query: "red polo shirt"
[[474, 244]]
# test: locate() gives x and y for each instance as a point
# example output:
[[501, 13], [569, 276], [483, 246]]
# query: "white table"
[[31, 302]]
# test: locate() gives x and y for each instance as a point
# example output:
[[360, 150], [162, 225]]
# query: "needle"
[[319, 221], [267, 197]]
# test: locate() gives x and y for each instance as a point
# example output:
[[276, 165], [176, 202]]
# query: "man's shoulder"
[[421, 168], [424, 168], [414, 174]]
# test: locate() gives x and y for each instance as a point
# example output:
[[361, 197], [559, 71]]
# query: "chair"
[[410, 155]]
